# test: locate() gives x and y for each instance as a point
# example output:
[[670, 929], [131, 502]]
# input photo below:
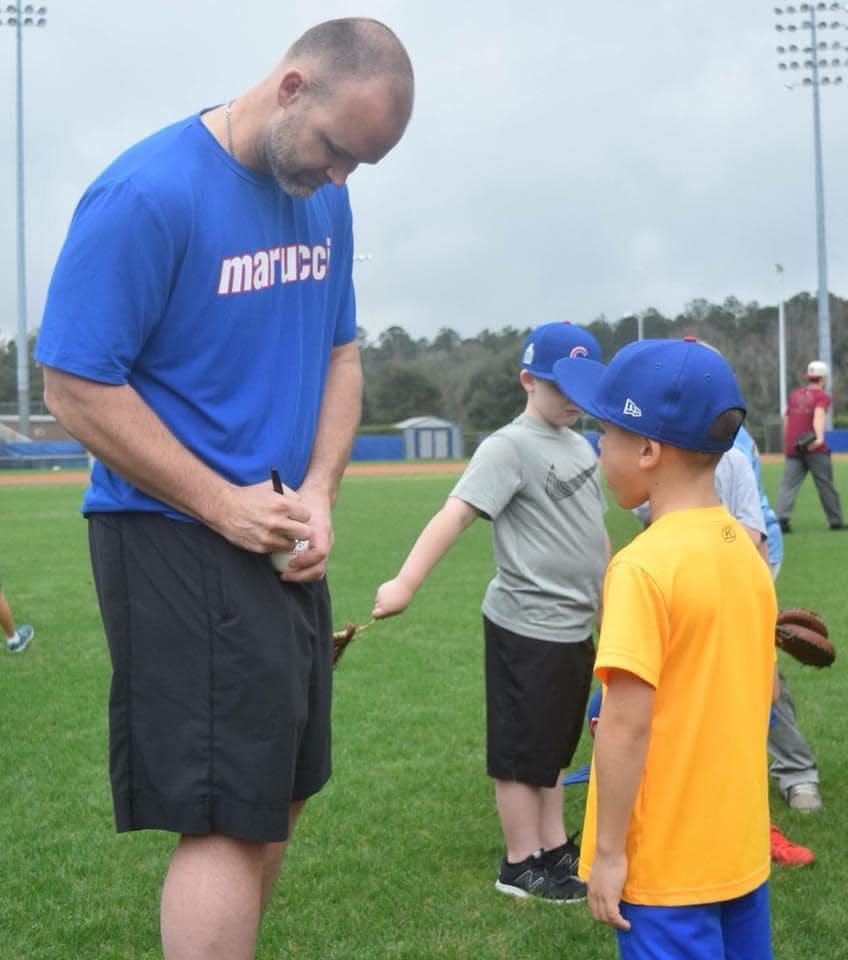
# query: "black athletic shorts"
[[221, 680], [536, 696]]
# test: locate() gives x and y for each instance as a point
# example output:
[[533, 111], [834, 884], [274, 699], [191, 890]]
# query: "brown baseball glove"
[[341, 638], [803, 635]]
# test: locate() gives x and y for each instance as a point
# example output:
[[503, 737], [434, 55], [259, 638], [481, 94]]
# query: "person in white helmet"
[[806, 449]]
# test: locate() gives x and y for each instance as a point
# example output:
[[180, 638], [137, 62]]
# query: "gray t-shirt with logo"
[[539, 486]]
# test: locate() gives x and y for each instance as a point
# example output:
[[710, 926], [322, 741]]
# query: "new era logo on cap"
[[529, 353], [630, 409]]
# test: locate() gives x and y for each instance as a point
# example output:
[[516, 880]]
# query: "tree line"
[[473, 381]]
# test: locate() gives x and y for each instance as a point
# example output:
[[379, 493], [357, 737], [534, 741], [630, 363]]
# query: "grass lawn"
[[397, 857]]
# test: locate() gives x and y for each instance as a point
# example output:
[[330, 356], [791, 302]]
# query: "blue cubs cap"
[[668, 390], [553, 341]]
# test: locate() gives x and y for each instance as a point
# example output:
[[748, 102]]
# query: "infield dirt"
[[54, 477], [48, 477]]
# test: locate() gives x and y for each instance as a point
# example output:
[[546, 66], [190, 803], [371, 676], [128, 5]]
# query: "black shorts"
[[536, 696], [219, 709]]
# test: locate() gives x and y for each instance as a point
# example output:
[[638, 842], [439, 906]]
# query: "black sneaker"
[[561, 862], [838, 526], [530, 879], [784, 526]]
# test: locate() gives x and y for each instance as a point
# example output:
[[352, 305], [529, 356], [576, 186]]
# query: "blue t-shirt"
[[214, 294], [745, 442]]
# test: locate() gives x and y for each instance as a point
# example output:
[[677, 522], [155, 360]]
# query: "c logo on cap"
[[579, 352]]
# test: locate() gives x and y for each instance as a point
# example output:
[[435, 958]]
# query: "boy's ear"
[[650, 453], [526, 379]]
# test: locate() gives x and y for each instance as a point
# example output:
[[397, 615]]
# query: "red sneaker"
[[787, 853]]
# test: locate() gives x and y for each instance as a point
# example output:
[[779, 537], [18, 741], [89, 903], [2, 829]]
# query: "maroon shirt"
[[799, 416]]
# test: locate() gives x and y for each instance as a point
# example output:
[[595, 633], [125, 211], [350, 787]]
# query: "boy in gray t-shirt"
[[537, 481]]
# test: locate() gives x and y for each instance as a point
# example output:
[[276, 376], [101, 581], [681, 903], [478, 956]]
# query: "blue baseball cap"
[[554, 341], [668, 390]]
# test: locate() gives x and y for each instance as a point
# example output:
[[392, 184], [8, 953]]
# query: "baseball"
[[282, 558]]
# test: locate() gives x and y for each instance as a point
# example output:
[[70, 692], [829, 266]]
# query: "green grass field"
[[397, 857]]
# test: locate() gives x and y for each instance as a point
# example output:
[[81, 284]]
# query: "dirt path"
[[360, 469], [54, 477], [41, 478]]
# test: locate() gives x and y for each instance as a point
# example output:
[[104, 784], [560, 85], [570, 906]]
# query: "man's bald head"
[[354, 49]]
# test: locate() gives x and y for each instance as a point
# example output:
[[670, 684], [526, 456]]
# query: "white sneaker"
[[804, 797], [21, 639]]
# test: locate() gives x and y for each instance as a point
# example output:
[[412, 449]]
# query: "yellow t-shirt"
[[689, 607]]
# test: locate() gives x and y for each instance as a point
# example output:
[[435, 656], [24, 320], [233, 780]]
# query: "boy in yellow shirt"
[[686, 656]]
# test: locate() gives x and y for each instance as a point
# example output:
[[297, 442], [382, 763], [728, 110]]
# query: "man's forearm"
[[819, 424], [341, 409], [121, 430]]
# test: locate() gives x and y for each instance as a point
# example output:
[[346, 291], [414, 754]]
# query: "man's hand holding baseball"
[[311, 564], [258, 519]]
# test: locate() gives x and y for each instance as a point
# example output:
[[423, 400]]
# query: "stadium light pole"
[[20, 16], [822, 63], [781, 340]]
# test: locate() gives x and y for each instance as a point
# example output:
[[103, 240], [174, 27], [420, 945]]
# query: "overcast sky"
[[564, 160]]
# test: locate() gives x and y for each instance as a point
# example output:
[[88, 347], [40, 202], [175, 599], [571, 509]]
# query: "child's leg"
[[536, 694], [7, 621], [793, 760], [519, 811], [746, 927], [523, 872], [531, 818], [551, 824]]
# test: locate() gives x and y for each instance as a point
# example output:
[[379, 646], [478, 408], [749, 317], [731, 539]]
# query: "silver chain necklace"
[[228, 113]]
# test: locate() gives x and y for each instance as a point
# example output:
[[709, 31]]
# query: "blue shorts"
[[729, 930]]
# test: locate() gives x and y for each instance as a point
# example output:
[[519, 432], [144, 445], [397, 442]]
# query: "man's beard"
[[280, 156]]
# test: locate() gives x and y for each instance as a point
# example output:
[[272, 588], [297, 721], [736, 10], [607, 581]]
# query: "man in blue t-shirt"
[[199, 338]]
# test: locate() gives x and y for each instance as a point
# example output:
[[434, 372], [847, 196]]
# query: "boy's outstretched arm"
[[435, 540], [621, 743]]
